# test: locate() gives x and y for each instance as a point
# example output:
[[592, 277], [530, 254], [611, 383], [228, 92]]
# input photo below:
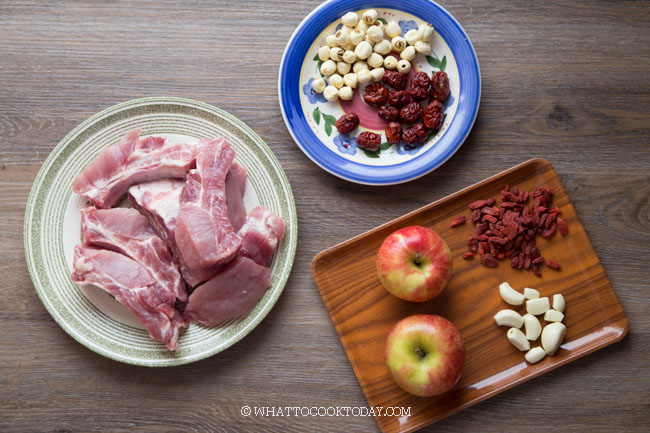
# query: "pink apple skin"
[[425, 354], [414, 264]]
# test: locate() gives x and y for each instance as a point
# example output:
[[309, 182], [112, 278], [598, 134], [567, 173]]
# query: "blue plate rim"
[[373, 175]]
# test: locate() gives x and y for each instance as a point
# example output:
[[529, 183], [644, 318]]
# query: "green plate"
[[52, 229]]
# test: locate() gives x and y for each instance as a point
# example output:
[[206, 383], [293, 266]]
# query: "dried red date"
[[433, 115], [375, 94], [398, 98], [389, 114], [415, 134], [395, 79], [347, 123], [369, 141], [411, 113], [393, 132], [440, 86], [420, 86], [458, 221]]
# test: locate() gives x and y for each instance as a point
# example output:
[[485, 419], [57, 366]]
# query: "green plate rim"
[[87, 124]]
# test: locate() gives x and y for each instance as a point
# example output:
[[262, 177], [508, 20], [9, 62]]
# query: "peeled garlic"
[[518, 339], [530, 293], [508, 318], [553, 316], [552, 336], [535, 355], [537, 306], [510, 295], [559, 303], [532, 326]]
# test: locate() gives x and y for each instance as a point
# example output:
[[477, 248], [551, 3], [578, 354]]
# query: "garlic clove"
[[518, 339], [530, 293], [508, 318], [552, 336], [553, 316], [559, 303], [537, 306], [510, 295], [535, 355], [532, 326]]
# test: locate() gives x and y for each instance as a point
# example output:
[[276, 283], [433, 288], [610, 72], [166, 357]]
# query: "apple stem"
[[420, 353], [417, 259]]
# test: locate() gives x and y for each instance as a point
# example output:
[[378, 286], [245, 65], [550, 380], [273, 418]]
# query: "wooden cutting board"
[[363, 312]]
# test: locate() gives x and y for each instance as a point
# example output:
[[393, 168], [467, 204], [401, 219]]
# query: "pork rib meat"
[[128, 232], [159, 201], [133, 286], [260, 235], [107, 177], [232, 293], [204, 235]]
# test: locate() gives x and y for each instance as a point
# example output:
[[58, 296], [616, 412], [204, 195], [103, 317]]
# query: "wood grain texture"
[[564, 80], [363, 312]]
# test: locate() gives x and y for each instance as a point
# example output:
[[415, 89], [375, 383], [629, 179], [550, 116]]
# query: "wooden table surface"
[[568, 81]]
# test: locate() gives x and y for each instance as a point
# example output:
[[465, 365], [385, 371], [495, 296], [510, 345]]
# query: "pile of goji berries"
[[509, 230]]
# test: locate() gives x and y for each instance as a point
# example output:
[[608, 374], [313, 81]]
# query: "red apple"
[[414, 264], [425, 354]]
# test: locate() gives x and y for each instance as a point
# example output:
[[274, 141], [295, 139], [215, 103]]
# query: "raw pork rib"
[[260, 235], [232, 293], [235, 186], [159, 201], [126, 231], [204, 234], [116, 168], [133, 286]]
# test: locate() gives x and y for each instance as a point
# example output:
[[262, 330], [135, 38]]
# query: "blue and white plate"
[[310, 118]]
